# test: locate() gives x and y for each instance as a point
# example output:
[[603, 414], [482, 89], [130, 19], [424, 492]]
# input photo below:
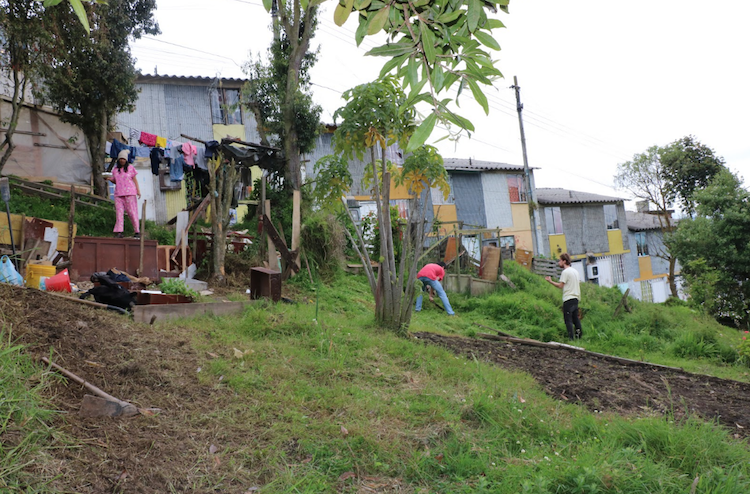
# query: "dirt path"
[[605, 384]]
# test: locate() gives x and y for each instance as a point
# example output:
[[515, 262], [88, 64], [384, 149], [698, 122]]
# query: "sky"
[[600, 81]]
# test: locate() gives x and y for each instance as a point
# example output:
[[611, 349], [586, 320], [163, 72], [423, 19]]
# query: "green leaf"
[[304, 4], [479, 96], [378, 21], [361, 4], [459, 120], [422, 133], [428, 42], [341, 13], [493, 24], [412, 76], [438, 78], [392, 64], [414, 94], [449, 17], [391, 50], [81, 13], [267, 4], [475, 11], [361, 32], [487, 40]]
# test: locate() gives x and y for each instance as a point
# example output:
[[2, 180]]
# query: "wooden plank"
[[274, 236], [51, 195], [296, 202], [145, 313]]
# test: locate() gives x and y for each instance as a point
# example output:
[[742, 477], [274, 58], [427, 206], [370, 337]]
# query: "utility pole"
[[536, 227]]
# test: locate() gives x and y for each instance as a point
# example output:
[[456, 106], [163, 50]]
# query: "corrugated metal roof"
[[470, 165], [564, 196], [638, 222], [188, 80]]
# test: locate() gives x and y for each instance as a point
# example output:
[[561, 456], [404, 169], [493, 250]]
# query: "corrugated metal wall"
[[149, 115], [467, 190], [496, 200], [188, 110]]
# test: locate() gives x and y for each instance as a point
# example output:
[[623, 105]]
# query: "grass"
[[321, 394]]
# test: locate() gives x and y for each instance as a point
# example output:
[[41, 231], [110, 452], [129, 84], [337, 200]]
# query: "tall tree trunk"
[[222, 177], [97, 141], [671, 278], [16, 104]]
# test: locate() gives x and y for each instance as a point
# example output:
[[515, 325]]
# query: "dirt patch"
[[607, 385], [181, 449]]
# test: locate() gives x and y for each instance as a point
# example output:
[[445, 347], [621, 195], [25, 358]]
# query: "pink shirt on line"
[[432, 271]]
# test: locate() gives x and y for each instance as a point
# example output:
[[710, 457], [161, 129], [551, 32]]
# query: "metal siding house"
[[645, 232], [590, 228], [173, 106]]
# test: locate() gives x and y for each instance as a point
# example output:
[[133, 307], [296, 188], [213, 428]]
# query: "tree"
[[77, 7], [91, 78], [644, 178], [688, 166], [376, 117], [223, 174], [265, 94], [24, 45], [714, 250]]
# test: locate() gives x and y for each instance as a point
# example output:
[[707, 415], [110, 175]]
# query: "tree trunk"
[[97, 149], [222, 177], [16, 104], [670, 276]]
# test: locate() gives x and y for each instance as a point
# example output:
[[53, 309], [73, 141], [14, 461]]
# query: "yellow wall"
[[397, 192], [521, 220], [176, 201], [557, 245], [615, 242], [644, 267], [445, 213], [15, 221], [221, 131]]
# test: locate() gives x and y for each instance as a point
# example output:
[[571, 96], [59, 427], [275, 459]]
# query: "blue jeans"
[[435, 284]]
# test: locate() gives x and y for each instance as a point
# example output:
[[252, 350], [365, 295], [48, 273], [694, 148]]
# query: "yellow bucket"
[[36, 272]]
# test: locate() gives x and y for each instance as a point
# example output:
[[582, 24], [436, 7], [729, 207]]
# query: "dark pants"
[[570, 311]]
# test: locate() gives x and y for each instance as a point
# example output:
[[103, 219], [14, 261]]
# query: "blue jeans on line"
[[435, 284]]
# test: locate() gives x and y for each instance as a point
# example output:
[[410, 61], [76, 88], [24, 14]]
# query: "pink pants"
[[129, 204]]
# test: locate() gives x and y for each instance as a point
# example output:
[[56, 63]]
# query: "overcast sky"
[[600, 81]]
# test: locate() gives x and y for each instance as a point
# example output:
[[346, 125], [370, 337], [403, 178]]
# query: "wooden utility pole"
[[536, 227]]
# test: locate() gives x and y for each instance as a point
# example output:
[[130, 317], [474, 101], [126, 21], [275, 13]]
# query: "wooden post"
[[296, 200], [458, 247], [262, 208], [623, 302], [71, 222], [143, 236], [273, 261]]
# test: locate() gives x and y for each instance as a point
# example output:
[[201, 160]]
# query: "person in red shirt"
[[431, 275]]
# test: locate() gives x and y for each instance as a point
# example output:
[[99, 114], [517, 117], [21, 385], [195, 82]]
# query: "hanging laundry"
[[118, 146], [148, 139], [212, 149], [200, 158], [108, 147], [157, 154], [189, 150], [176, 172], [142, 152], [161, 142], [135, 134]]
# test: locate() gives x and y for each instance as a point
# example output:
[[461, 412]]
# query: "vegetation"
[[324, 394], [92, 77], [714, 250], [176, 286]]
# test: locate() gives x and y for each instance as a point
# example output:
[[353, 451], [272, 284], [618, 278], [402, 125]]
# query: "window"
[[516, 188], [641, 243], [647, 294], [618, 269], [554, 221], [610, 217], [225, 106]]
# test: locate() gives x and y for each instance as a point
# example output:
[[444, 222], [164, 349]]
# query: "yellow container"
[[36, 272]]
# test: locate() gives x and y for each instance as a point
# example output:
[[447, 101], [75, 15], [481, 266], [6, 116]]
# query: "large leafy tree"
[[644, 178], [25, 44], [714, 250], [688, 166], [286, 117], [92, 76]]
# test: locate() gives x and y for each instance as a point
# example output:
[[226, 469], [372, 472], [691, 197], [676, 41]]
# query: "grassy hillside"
[[323, 401]]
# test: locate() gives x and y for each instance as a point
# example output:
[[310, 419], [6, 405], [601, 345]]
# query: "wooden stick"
[[273, 261], [623, 302], [493, 329], [296, 200], [71, 219], [143, 236], [563, 346], [84, 383]]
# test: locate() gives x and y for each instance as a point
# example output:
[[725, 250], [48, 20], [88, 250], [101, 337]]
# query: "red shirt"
[[432, 271]]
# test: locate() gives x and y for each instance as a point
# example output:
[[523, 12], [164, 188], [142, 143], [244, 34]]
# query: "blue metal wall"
[[467, 190]]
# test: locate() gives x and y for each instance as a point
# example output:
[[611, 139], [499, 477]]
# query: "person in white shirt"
[[571, 291]]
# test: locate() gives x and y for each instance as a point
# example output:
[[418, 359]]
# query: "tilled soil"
[[605, 384]]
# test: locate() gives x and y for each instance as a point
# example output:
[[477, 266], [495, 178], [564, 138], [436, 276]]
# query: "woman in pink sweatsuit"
[[127, 194]]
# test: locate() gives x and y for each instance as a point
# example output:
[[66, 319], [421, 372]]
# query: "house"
[[590, 228], [46, 148], [179, 108], [648, 256]]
